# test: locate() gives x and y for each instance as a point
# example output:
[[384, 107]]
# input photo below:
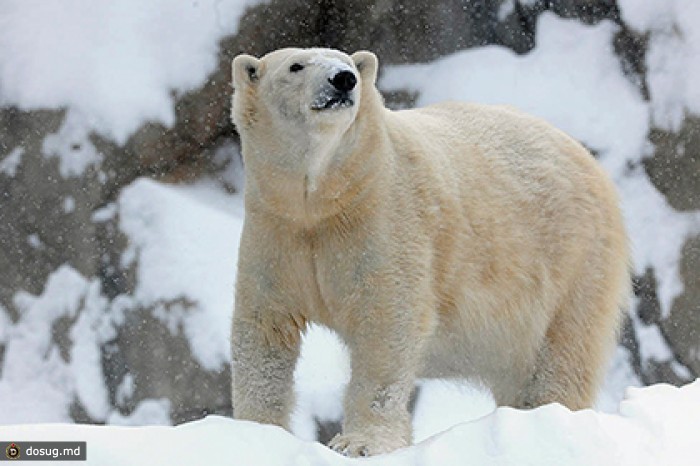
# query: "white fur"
[[459, 241]]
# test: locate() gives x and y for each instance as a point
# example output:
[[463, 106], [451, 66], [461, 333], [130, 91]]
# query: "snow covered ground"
[[655, 425]]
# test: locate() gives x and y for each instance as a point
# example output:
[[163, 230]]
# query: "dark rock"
[[401, 99], [682, 328], [629, 340], [162, 366], [648, 307], [679, 332], [587, 11], [326, 430], [80, 415], [36, 233], [675, 166], [649, 371], [631, 48], [663, 372]]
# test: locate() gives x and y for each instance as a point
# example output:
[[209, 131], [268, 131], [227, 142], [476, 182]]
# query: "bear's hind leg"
[[573, 357]]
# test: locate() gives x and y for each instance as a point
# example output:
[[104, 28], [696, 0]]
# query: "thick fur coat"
[[452, 241]]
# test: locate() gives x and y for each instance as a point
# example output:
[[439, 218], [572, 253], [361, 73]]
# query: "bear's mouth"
[[332, 102]]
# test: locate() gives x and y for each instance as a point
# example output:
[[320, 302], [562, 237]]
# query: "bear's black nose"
[[344, 81]]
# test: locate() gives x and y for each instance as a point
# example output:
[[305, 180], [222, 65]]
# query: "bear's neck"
[[341, 176]]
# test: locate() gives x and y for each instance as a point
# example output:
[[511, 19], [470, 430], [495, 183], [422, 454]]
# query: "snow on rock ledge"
[[655, 425]]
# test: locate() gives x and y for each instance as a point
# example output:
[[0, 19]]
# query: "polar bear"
[[453, 241]]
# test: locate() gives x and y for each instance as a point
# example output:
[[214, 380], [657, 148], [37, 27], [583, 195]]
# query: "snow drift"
[[655, 425]]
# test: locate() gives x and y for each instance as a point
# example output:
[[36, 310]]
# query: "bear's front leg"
[[386, 354], [264, 355]]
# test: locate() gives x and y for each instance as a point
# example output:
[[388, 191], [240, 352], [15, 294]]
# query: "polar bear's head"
[[302, 114], [308, 90]]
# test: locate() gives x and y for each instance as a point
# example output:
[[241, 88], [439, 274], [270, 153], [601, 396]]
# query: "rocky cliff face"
[[59, 196]]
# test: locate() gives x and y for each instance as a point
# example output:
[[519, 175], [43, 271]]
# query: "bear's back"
[[496, 145]]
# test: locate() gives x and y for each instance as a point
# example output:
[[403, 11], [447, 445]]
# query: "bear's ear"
[[367, 64], [245, 69]]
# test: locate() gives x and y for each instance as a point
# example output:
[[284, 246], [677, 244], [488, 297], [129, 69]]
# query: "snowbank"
[[185, 242], [38, 383], [114, 63], [673, 59], [655, 425]]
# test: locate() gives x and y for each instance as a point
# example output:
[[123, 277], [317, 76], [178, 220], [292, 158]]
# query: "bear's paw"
[[354, 444]]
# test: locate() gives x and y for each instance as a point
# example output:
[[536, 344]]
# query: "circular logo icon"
[[12, 451]]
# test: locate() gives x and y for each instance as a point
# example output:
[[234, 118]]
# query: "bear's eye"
[[296, 67]]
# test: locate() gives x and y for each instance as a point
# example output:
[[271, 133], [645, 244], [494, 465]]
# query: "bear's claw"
[[360, 445]]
